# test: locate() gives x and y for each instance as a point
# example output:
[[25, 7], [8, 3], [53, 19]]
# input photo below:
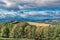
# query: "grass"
[[15, 39], [29, 31]]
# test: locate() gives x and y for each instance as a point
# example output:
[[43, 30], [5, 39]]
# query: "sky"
[[29, 9]]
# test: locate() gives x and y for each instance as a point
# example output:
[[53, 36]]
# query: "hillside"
[[29, 30]]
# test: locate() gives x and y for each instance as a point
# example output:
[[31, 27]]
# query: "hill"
[[29, 30]]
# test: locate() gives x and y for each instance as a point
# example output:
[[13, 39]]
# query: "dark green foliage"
[[6, 33]]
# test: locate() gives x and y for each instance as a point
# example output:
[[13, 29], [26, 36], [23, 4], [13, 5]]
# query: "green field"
[[15, 39], [25, 31]]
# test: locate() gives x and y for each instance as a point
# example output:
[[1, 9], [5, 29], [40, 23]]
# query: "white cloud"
[[8, 4], [33, 13], [40, 13], [2, 16], [5, 13], [30, 3]]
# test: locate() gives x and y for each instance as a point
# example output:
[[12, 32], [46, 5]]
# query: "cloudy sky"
[[29, 9]]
